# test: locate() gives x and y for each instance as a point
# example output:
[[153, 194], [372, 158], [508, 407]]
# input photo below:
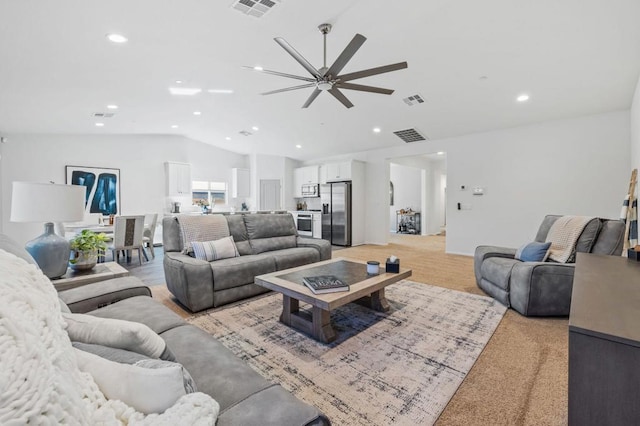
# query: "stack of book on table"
[[325, 284]]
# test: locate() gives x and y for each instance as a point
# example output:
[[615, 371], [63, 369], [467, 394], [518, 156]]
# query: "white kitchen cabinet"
[[241, 183], [297, 182], [338, 171], [178, 178], [323, 174], [304, 176], [310, 175]]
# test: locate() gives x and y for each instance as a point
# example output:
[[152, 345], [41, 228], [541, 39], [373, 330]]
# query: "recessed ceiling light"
[[99, 124], [227, 138], [197, 113], [255, 128], [522, 98], [376, 130], [117, 38], [178, 81], [184, 91], [298, 146], [112, 106], [440, 152], [226, 91], [258, 68], [174, 126]]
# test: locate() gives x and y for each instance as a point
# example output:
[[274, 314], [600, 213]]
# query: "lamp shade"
[[47, 202]]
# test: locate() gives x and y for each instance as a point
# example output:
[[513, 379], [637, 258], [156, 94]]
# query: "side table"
[[101, 272]]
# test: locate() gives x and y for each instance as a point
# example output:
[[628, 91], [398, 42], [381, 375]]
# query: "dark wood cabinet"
[[604, 342]]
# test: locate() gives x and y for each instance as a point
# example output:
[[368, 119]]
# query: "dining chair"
[[127, 236], [150, 221]]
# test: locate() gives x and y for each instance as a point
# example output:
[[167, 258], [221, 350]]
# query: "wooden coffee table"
[[364, 289], [100, 272]]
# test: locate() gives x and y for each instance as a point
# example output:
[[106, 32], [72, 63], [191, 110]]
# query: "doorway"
[[419, 186], [270, 195]]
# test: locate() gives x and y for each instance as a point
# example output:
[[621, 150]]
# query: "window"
[[209, 193]]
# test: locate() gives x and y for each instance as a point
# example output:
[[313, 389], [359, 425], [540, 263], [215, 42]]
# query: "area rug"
[[400, 367]]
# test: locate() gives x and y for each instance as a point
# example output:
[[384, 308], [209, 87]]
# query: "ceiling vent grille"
[[413, 100], [245, 133], [410, 135], [255, 8], [103, 114]]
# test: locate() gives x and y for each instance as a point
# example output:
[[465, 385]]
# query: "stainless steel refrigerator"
[[336, 213]]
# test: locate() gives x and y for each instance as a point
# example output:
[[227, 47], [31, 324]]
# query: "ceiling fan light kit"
[[329, 79]]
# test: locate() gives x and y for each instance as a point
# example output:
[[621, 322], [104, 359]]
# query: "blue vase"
[[50, 251]]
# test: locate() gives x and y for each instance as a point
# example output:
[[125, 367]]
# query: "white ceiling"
[[574, 57]]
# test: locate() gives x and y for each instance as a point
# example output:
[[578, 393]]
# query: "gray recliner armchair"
[[542, 288]]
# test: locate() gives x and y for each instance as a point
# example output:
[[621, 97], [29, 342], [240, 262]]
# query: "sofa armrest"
[[189, 279], [485, 252], [542, 288], [323, 246], [96, 295]]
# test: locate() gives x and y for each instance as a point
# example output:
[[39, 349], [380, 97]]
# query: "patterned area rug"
[[400, 367]]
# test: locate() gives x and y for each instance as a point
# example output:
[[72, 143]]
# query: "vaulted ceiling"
[[468, 59]]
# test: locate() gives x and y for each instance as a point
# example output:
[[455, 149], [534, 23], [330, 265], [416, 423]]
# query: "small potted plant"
[[85, 248]]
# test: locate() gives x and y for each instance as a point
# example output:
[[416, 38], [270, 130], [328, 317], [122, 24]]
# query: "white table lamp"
[[46, 202]]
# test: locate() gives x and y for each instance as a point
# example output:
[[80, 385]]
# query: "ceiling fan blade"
[[287, 89], [340, 96], [372, 71], [360, 87], [298, 57], [281, 74], [312, 98], [346, 55]]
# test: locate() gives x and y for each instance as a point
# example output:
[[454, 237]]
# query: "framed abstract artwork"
[[102, 188]]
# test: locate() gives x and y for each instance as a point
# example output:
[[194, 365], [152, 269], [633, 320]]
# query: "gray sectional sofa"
[[266, 243], [245, 397]]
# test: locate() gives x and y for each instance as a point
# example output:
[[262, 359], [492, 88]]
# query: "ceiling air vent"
[[410, 135], [413, 100], [103, 114], [255, 8], [245, 133]]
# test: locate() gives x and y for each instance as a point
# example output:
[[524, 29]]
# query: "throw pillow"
[[123, 356], [202, 228], [115, 333], [213, 250], [148, 390], [63, 307], [533, 252]]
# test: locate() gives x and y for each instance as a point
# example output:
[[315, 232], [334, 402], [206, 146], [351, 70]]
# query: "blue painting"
[[102, 185]]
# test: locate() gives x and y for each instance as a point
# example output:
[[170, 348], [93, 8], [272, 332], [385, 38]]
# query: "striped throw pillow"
[[214, 250]]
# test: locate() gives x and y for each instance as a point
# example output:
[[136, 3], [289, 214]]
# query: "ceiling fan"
[[329, 79]]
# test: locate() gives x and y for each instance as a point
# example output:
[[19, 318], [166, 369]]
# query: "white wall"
[[635, 128], [42, 158], [407, 190], [574, 166]]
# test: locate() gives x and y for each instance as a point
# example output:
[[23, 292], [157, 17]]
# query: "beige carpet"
[[401, 367], [521, 376]]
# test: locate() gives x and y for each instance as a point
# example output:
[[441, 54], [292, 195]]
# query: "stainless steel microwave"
[[310, 190]]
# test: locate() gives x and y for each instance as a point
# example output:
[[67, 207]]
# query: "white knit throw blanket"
[[564, 234], [40, 382]]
